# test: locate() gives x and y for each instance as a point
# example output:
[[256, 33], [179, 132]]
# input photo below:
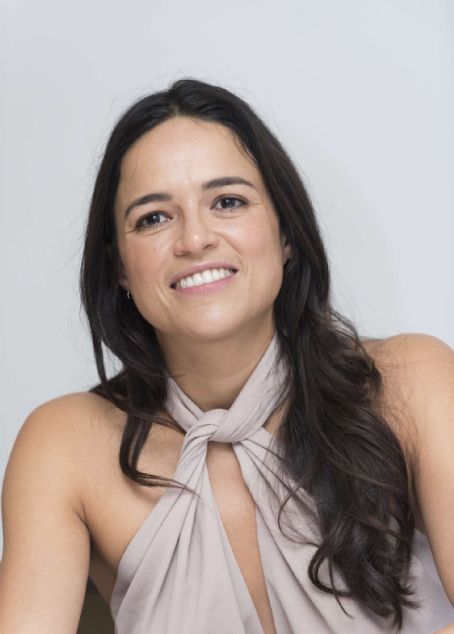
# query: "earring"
[[128, 294]]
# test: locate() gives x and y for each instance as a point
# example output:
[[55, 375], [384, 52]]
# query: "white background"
[[360, 92]]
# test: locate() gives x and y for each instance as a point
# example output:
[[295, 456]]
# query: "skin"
[[212, 341], [418, 379]]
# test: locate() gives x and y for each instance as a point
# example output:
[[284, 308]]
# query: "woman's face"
[[196, 223]]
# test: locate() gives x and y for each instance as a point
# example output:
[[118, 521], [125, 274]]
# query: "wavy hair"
[[337, 446]]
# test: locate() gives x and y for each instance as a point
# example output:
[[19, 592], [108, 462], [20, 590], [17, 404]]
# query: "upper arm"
[[426, 374], [45, 564]]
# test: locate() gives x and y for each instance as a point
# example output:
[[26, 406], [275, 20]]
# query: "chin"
[[223, 329], [206, 335]]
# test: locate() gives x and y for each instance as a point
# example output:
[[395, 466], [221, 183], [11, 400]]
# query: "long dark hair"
[[336, 443]]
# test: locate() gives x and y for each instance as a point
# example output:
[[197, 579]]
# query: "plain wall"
[[360, 92]]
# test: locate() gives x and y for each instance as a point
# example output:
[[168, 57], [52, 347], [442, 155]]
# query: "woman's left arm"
[[427, 375]]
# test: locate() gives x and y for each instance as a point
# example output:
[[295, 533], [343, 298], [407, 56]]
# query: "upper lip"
[[198, 268]]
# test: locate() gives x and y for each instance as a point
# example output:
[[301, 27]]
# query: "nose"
[[195, 236]]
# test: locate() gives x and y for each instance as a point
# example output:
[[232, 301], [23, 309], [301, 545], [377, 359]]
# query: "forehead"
[[183, 148]]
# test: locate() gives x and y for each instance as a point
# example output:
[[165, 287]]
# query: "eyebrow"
[[222, 181]]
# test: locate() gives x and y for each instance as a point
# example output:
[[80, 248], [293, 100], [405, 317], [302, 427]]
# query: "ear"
[[122, 277], [286, 249]]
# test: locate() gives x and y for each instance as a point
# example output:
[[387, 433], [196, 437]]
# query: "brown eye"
[[150, 221], [230, 199]]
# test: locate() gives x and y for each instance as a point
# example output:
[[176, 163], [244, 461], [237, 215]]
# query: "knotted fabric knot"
[[248, 413], [217, 425], [210, 427]]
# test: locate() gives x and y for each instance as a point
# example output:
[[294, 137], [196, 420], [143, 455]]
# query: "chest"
[[115, 513]]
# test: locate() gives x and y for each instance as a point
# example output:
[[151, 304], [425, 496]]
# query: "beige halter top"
[[179, 575]]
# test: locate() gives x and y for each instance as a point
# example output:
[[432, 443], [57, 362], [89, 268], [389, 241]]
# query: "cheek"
[[143, 263], [261, 242], [145, 274], [262, 252]]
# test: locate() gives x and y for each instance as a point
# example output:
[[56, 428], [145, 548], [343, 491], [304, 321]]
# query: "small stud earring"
[[128, 294]]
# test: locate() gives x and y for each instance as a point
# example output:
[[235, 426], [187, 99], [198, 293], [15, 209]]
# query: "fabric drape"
[[179, 575]]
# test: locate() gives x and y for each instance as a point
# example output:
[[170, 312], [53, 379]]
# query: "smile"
[[205, 277]]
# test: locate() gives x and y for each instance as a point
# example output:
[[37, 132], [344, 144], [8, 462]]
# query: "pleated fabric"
[[179, 575]]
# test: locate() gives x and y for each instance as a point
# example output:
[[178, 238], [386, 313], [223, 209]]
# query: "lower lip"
[[204, 289]]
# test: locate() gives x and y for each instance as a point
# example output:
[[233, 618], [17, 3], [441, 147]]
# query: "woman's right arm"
[[46, 552]]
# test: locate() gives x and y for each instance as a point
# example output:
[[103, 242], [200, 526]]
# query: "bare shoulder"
[[69, 418], [409, 360], [407, 348], [46, 553], [69, 411], [71, 431], [417, 370]]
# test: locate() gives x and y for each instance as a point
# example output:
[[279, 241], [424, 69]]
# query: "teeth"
[[205, 277]]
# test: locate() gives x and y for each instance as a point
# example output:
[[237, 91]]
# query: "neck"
[[212, 373]]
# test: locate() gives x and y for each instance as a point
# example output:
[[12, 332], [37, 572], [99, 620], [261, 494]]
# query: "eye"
[[230, 199], [150, 221]]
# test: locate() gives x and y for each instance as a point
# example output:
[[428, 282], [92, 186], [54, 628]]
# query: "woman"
[[275, 473]]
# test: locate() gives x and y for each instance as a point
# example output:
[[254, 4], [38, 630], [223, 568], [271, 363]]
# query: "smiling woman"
[[163, 264], [259, 467]]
